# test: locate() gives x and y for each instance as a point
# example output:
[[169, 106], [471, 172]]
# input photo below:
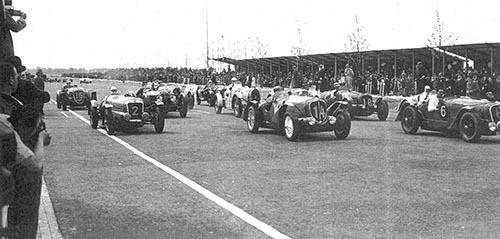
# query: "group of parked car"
[[290, 112]]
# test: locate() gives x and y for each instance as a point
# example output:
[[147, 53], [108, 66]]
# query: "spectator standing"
[[421, 77], [349, 76], [39, 83], [26, 170], [8, 24]]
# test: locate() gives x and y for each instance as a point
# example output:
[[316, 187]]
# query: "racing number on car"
[[442, 111], [135, 110]]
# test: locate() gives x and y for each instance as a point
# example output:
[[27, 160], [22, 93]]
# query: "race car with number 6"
[[467, 117]]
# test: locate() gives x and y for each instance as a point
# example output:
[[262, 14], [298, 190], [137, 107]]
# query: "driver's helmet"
[[114, 90], [336, 85], [277, 89]]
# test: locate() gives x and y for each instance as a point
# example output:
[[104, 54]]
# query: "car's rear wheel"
[[410, 120], [237, 107], [469, 127], [253, 120], [382, 110], [343, 124], [291, 128], [159, 120], [94, 118]]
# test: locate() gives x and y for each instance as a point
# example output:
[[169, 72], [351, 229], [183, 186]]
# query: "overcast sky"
[[136, 33]]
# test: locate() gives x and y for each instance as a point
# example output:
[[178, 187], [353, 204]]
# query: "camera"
[[14, 13], [9, 9]]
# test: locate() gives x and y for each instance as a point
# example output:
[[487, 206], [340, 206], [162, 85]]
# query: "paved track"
[[379, 183]]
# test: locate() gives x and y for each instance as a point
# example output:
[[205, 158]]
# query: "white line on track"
[[268, 230], [65, 114]]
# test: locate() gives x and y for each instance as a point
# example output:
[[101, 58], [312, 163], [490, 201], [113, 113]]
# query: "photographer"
[[8, 24], [26, 170]]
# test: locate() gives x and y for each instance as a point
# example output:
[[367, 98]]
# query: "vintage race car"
[[295, 115], [125, 113], [469, 118], [207, 93], [190, 93], [360, 104], [240, 97], [170, 94], [72, 96], [85, 81]]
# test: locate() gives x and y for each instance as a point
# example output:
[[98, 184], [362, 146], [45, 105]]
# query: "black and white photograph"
[[218, 119]]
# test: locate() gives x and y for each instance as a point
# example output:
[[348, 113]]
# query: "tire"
[[237, 108], [64, 106], [94, 118], [110, 128], [410, 120], [219, 103], [191, 102], [291, 128], [253, 121], [382, 110], [184, 109], [343, 124], [159, 120], [469, 127], [58, 102]]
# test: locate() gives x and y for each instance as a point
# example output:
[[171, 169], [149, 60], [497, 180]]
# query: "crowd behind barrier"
[[384, 83]]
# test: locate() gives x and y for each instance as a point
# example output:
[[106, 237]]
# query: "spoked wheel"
[[343, 124], [382, 110], [159, 120], [469, 127], [291, 128], [410, 120], [252, 120]]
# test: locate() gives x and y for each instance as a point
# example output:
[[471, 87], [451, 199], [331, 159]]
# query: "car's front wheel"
[[110, 127], [159, 120], [382, 110], [94, 118], [469, 127], [410, 120], [253, 120], [343, 124], [291, 128], [184, 108], [219, 103]]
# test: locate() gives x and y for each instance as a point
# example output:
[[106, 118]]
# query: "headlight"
[[145, 116], [127, 117], [311, 121], [173, 98], [159, 98], [332, 119], [492, 126]]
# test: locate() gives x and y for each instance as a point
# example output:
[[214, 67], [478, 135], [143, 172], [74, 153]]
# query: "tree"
[[357, 43], [298, 51], [440, 37]]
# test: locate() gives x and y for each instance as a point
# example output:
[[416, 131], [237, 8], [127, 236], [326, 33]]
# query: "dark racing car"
[[125, 113], [467, 117], [170, 94], [360, 104], [294, 115], [73, 96]]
